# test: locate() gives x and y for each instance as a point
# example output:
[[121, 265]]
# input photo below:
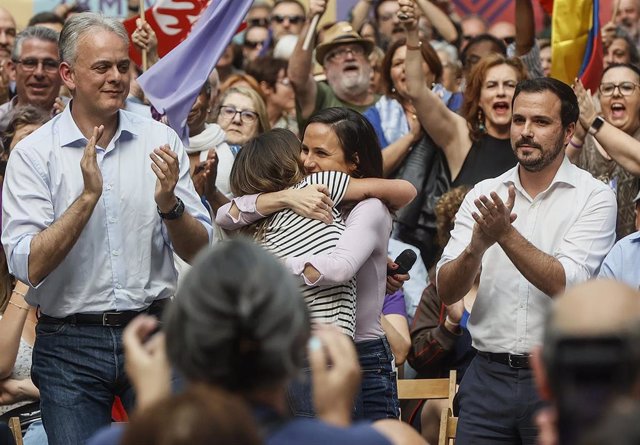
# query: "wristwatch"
[[596, 125], [175, 213]]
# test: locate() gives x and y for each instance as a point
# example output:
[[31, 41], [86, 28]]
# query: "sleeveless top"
[[488, 157]]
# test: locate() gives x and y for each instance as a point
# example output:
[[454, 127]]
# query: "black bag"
[[426, 168]]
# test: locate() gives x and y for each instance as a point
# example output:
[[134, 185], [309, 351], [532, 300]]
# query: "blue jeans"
[[78, 370], [378, 397], [35, 434]]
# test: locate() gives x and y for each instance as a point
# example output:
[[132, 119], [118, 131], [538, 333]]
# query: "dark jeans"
[[497, 405], [378, 398], [78, 370]]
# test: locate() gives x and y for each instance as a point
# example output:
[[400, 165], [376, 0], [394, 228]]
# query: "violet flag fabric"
[[172, 84]]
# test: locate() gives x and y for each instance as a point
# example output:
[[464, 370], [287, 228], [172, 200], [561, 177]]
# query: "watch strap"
[[175, 213], [596, 125]]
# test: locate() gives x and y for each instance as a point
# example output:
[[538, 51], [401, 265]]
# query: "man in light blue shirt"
[[623, 262], [95, 202]]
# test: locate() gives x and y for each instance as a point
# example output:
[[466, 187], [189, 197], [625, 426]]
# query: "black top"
[[489, 157]]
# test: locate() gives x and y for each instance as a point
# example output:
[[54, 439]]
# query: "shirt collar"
[[70, 134], [635, 237], [566, 174]]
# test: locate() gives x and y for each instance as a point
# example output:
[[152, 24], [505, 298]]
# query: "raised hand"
[[587, 107], [317, 7], [91, 174], [407, 14], [335, 374], [144, 37], [146, 361], [165, 166]]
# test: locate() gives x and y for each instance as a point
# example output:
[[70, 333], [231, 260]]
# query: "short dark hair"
[[631, 66], [45, 17], [499, 44], [569, 109], [357, 137], [266, 69]]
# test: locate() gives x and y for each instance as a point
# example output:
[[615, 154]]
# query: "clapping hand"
[[165, 166], [494, 217]]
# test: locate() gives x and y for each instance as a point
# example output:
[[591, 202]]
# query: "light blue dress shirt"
[[123, 258], [623, 262]]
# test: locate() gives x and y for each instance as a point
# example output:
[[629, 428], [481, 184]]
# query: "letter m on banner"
[[171, 20]]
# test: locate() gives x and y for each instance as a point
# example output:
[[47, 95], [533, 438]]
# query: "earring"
[[481, 126]]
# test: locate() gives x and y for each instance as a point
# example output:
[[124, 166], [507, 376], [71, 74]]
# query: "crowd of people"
[[252, 287]]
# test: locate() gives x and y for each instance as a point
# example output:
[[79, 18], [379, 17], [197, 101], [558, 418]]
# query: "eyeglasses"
[[253, 45], [258, 21], [246, 116], [31, 64], [625, 88], [293, 19], [341, 53]]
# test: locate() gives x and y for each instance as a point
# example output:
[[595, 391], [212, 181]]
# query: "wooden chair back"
[[419, 389]]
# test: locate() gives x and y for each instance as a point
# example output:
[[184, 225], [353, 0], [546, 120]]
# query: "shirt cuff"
[[296, 265]]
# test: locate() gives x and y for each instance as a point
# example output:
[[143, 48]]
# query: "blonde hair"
[[258, 104]]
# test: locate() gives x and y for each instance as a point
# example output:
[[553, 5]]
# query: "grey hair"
[[80, 24], [238, 320], [33, 32], [634, 55], [452, 52]]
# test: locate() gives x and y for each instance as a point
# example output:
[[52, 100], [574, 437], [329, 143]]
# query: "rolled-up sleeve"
[[27, 210], [589, 239], [248, 213]]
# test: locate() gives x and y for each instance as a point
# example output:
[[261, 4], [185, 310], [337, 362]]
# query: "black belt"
[[110, 318], [515, 361]]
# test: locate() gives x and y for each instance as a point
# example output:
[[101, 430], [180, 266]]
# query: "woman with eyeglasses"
[[609, 146], [242, 115]]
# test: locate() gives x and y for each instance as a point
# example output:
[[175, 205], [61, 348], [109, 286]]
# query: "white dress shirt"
[[123, 258], [573, 220]]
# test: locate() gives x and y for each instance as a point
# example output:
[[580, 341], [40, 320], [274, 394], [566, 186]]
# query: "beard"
[[351, 85], [533, 163]]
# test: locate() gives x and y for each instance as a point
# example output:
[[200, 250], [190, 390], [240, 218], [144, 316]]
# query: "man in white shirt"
[[552, 230], [95, 202]]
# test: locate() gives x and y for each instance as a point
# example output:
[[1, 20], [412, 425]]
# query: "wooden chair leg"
[[14, 426]]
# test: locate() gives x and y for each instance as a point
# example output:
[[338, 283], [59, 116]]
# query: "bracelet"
[[416, 47], [18, 306], [451, 322], [15, 291], [574, 145]]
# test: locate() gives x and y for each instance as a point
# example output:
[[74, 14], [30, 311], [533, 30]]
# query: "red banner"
[[171, 20]]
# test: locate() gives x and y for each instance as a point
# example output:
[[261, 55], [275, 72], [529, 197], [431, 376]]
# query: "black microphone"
[[405, 262]]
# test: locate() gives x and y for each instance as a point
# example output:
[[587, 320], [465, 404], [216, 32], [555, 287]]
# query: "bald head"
[[595, 308], [7, 33], [503, 30]]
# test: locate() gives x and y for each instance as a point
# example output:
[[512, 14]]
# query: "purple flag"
[[172, 84]]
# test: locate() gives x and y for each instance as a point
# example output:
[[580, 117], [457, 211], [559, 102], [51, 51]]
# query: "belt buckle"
[[517, 361], [106, 322]]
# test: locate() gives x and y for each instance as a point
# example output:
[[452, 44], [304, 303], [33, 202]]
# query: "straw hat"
[[339, 34]]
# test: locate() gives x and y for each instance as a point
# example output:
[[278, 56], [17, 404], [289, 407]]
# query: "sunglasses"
[[259, 21], [253, 45], [293, 19]]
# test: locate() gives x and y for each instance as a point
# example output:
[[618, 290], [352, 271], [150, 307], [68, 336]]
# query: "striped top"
[[288, 234]]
